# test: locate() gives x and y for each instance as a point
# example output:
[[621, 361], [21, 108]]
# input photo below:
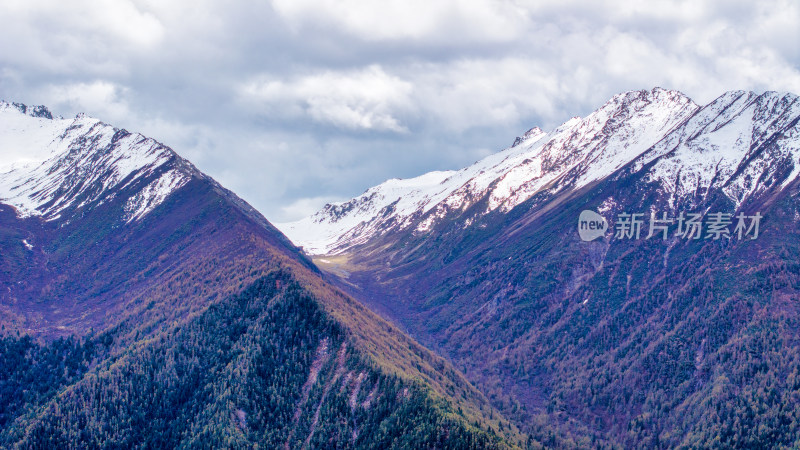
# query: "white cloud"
[[84, 37], [442, 20], [367, 99], [485, 92], [100, 99], [119, 19]]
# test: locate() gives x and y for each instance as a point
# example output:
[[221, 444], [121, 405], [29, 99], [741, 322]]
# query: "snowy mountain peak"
[[742, 143], [50, 166], [33, 111], [577, 153], [533, 132], [610, 137]]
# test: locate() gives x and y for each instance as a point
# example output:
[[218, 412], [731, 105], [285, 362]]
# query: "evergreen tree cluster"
[[267, 368]]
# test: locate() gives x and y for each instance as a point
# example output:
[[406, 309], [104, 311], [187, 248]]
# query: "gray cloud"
[[294, 103]]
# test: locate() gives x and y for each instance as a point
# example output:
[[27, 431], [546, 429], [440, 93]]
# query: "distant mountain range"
[[144, 305], [686, 339], [697, 149]]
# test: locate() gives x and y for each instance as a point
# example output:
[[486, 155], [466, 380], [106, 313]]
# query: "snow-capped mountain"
[[50, 165], [645, 342], [579, 152], [113, 241], [741, 143]]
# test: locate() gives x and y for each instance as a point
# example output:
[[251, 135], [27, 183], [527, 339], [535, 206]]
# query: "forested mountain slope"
[[681, 339], [143, 305]]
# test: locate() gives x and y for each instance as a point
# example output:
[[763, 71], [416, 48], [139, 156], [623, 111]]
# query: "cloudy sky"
[[295, 103]]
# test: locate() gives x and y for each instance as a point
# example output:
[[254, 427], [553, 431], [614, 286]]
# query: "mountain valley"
[[653, 343]]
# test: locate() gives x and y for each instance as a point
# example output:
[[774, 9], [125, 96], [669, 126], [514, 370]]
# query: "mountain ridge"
[[85, 159], [337, 227], [630, 341], [183, 317], [509, 177]]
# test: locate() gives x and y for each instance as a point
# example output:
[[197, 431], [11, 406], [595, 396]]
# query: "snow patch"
[[50, 165], [154, 194]]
